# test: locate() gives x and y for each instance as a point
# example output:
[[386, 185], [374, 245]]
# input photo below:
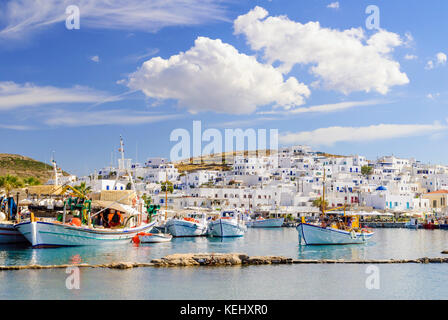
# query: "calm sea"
[[410, 281]]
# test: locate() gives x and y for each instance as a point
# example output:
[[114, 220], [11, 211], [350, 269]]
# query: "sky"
[[330, 74]]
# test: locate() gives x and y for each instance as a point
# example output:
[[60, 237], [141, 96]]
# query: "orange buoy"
[[136, 239], [76, 222]]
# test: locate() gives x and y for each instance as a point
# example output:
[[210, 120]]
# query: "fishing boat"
[[227, 225], [9, 234], [193, 225], [42, 234], [145, 237], [265, 223], [412, 224], [313, 234], [338, 229]]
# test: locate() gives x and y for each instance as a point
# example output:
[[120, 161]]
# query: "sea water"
[[395, 281]]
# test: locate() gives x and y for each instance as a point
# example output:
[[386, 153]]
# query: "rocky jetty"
[[216, 259], [222, 259]]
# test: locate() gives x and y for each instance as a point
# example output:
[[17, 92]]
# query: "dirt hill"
[[25, 167]]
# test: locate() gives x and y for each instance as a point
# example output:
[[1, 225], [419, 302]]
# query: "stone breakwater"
[[220, 260]]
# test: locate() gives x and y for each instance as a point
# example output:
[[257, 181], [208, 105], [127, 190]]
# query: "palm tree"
[[82, 188], [31, 181], [10, 182], [319, 203]]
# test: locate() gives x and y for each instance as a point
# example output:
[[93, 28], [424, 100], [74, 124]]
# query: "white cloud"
[[21, 17], [214, 76], [13, 95], [346, 60], [432, 96], [410, 57], [326, 108], [17, 127], [333, 107], [142, 55], [333, 5], [106, 117], [332, 135], [441, 58], [95, 59]]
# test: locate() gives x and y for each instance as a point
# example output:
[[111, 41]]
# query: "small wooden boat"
[[412, 224], [228, 225], [9, 234], [43, 234], [430, 226], [143, 237], [316, 235], [194, 225], [265, 223]]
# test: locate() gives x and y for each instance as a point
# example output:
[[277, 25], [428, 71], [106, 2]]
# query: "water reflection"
[[386, 244]]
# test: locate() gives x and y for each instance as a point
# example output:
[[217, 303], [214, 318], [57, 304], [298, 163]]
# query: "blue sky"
[[375, 93]]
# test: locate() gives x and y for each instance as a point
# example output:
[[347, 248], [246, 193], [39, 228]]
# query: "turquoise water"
[[410, 281]]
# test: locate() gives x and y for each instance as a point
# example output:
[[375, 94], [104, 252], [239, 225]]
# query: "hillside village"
[[287, 182]]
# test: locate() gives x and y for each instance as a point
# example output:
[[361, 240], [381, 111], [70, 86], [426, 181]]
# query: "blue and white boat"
[[193, 225], [56, 234], [412, 224], [265, 223], [9, 234], [312, 234], [228, 224]]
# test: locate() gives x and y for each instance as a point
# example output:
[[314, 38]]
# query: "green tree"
[[10, 182], [318, 203], [147, 199], [170, 186], [82, 188], [366, 170], [31, 181]]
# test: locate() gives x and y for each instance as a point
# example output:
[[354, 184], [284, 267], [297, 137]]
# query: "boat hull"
[[155, 238], [47, 234], [315, 235], [266, 223], [9, 234], [226, 228], [183, 228]]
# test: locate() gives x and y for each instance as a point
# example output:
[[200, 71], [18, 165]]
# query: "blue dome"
[[381, 188]]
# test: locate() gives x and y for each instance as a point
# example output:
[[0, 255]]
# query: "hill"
[[217, 161], [212, 161], [25, 167]]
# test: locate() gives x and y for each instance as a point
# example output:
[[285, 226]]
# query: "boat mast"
[[166, 192], [323, 194]]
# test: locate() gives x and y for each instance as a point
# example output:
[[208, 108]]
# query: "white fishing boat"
[[312, 234], [338, 229], [56, 234], [9, 234], [412, 224], [144, 237], [265, 223], [193, 225], [227, 225]]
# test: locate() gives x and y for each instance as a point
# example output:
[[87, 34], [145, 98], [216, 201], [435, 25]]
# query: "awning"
[[101, 204]]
